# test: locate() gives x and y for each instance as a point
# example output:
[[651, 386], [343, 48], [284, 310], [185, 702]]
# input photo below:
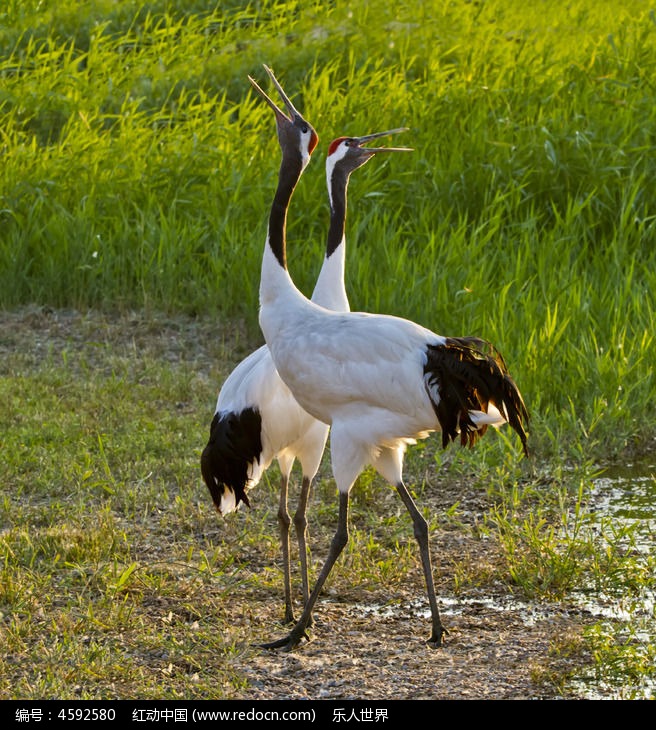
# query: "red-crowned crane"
[[381, 382], [257, 420]]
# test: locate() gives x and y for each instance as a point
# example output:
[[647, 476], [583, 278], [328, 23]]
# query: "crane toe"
[[289, 642]]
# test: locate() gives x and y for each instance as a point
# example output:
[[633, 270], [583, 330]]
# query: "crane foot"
[[288, 643], [436, 640]]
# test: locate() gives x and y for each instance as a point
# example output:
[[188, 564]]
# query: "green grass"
[[137, 171]]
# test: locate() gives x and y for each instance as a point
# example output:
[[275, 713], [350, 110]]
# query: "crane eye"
[[304, 129]]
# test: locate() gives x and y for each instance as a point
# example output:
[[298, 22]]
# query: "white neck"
[[329, 291]]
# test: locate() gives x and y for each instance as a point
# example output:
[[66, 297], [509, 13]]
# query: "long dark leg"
[[336, 546], [421, 535], [300, 523], [284, 522]]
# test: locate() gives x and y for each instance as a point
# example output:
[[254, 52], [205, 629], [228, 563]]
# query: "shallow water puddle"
[[627, 494]]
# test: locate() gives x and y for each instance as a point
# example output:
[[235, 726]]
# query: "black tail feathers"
[[235, 442], [469, 374]]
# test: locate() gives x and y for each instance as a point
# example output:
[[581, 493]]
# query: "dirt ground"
[[368, 657], [373, 645], [489, 654]]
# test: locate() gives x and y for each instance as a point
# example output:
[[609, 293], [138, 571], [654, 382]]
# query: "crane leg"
[[421, 535], [336, 546], [283, 526], [300, 523]]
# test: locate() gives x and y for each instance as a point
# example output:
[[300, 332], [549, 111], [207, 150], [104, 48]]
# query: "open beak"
[[361, 141], [280, 115]]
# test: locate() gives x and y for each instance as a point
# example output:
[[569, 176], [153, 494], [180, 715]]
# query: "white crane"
[[381, 382], [257, 420]]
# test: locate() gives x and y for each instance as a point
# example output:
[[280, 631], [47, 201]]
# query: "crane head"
[[353, 152], [293, 130]]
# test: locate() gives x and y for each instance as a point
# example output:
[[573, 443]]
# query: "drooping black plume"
[[468, 374], [235, 442]]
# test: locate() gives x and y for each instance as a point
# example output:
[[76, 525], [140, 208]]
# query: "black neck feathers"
[[338, 185], [290, 173]]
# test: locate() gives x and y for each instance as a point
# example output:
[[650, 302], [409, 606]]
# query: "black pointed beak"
[[361, 141], [292, 113]]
